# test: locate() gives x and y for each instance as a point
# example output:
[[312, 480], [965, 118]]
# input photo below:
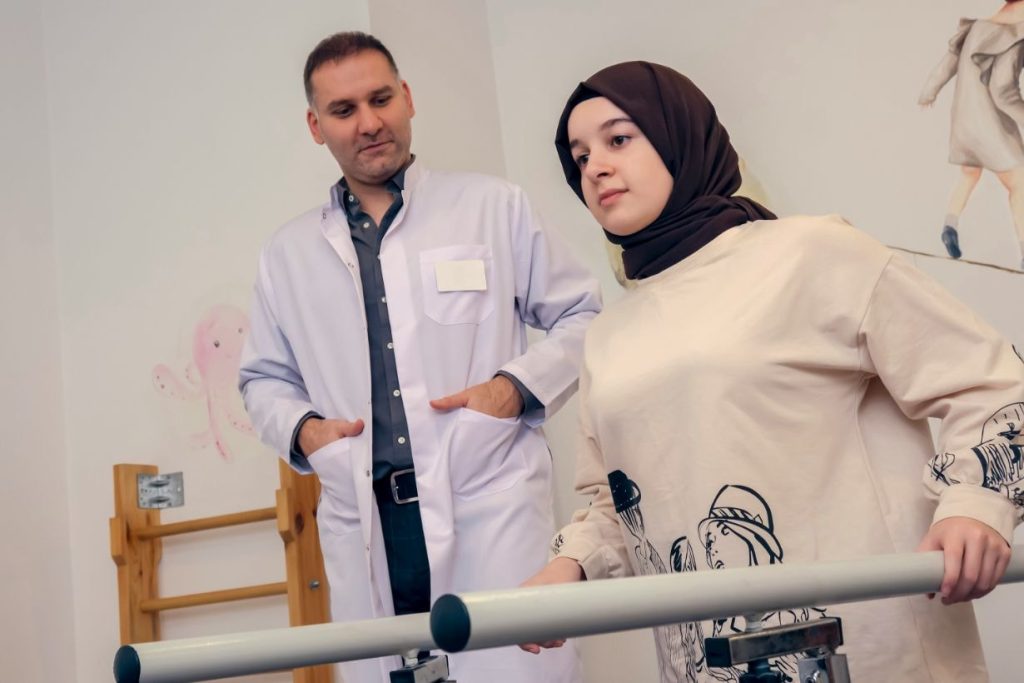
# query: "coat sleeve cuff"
[[536, 411], [296, 458], [981, 504], [530, 402]]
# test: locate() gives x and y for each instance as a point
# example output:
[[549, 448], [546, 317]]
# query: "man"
[[388, 354]]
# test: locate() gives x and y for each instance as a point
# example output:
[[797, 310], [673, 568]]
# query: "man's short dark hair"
[[336, 48]]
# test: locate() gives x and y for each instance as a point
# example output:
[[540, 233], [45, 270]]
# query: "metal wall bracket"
[[158, 491]]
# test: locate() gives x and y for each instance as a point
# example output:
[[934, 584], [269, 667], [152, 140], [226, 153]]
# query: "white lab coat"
[[484, 483]]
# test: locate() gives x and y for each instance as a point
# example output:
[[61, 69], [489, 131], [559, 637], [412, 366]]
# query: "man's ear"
[[314, 126], [407, 94]]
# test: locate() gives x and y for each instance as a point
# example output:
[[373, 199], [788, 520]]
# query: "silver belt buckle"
[[394, 488]]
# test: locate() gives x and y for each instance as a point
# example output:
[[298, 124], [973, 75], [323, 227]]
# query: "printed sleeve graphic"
[[1000, 452], [998, 458]]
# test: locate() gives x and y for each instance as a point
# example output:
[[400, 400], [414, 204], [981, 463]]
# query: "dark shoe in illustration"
[[951, 240]]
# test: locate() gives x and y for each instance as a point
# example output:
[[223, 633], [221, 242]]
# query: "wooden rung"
[[136, 547], [214, 597], [204, 523]]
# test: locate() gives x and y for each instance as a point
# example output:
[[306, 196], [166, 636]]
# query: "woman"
[[761, 393], [986, 56]]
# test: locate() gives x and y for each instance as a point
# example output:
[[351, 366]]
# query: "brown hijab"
[[681, 124]]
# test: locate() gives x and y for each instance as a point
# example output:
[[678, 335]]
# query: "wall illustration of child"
[[985, 56]]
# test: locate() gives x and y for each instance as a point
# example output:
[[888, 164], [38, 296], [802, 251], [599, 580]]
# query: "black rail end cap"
[[449, 623], [127, 667]]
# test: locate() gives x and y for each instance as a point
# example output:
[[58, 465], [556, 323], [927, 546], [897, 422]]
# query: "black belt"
[[402, 529], [399, 486]]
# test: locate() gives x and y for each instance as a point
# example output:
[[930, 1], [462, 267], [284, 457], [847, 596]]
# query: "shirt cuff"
[[597, 561], [980, 504], [530, 402], [296, 457]]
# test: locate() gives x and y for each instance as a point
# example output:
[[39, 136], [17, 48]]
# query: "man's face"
[[363, 113]]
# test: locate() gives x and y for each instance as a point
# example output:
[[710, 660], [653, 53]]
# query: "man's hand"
[[497, 398], [558, 570], [975, 557], [317, 433]]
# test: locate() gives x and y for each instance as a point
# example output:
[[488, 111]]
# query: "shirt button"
[[367, 472], [351, 198], [383, 299], [396, 393], [390, 345], [401, 440], [365, 226]]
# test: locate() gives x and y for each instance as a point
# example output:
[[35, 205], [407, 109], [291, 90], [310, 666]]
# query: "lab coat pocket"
[[483, 454], [467, 304], [338, 511]]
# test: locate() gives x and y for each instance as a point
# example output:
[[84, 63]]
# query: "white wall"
[[443, 51], [179, 144], [35, 562]]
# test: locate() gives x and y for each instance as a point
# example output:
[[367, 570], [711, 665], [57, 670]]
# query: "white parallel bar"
[[475, 621], [238, 654], [482, 620]]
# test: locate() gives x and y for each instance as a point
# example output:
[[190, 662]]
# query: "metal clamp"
[[816, 641], [431, 669], [823, 667], [778, 641]]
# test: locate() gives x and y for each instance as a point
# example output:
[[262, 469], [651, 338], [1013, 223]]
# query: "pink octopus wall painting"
[[212, 376], [985, 56]]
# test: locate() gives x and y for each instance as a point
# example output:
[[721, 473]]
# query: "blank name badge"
[[461, 276]]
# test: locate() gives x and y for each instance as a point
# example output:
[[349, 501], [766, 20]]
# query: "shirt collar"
[[349, 203]]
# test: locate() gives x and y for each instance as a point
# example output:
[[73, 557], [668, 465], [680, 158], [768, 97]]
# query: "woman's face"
[[625, 182]]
